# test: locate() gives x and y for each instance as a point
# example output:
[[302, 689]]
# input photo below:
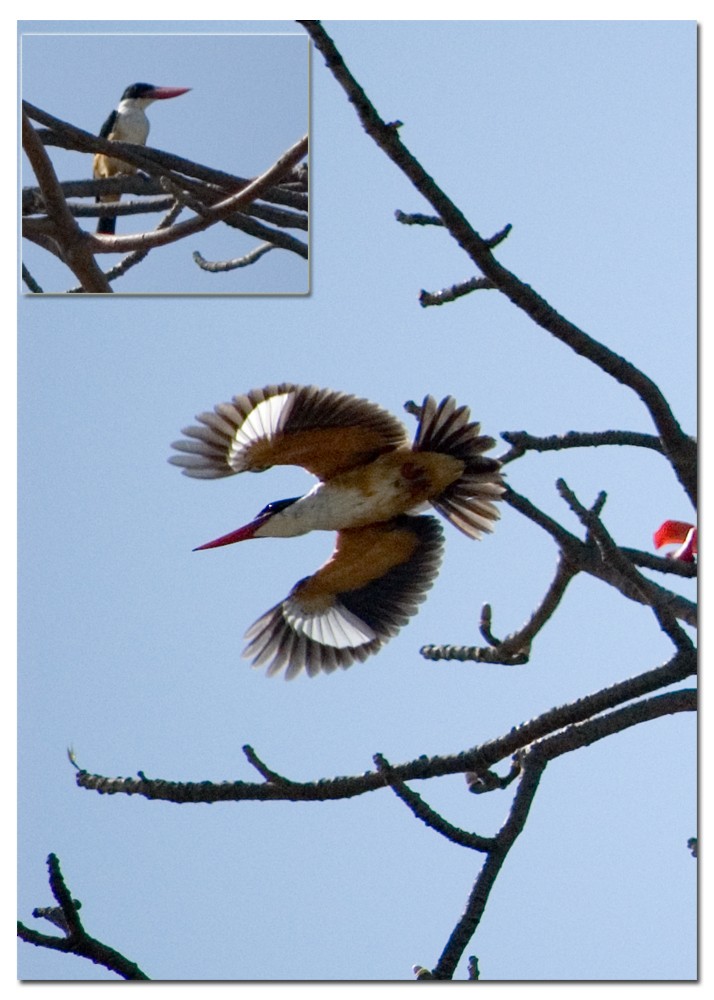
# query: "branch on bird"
[[215, 196]]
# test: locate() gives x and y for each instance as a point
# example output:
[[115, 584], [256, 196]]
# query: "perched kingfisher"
[[128, 123], [372, 483]]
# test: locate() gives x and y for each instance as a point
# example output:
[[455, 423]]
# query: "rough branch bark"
[[479, 759], [214, 196], [76, 941]]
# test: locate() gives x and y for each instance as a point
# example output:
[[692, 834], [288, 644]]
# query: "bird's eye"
[[277, 505]]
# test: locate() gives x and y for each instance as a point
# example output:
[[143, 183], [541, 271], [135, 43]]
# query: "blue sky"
[[582, 136]]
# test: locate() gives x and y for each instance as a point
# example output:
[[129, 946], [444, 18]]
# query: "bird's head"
[[148, 92], [267, 524]]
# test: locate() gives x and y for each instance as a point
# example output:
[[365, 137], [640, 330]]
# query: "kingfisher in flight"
[[372, 483], [127, 123]]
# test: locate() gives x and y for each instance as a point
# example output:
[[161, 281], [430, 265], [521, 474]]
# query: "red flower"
[[677, 533]]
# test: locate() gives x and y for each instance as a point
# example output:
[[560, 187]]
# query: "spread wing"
[[368, 589], [325, 432]]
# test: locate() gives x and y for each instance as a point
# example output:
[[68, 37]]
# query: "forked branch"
[[76, 941]]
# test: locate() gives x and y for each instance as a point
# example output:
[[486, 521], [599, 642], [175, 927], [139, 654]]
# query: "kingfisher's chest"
[[393, 484], [130, 125]]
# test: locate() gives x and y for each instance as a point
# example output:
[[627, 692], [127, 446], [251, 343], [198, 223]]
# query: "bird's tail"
[[468, 503], [107, 223], [104, 166]]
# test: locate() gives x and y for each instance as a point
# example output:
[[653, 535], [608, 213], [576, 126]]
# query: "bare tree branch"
[[428, 815], [212, 203], [626, 577], [29, 280], [678, 446], [522, 441], [132, 259], [479, 759], [515, 649], [219, 212], [63, 236], [532, 769], [588, 558], [445, 295], [662, 564], [154, 162], [534, 762], [76, 940], [231, 265]]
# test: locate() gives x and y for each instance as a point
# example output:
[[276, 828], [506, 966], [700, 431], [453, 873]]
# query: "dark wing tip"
[[281, 641], [225, 442], [358, 622]]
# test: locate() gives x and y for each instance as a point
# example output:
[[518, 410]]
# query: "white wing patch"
[[264, 421], [336, 627]]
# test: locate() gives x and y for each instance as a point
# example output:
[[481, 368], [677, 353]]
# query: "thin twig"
[[429, 816], [589, 559], [417, 219], [29, 280], [522, 441], [637, 586], [445, 295], [218, 266], [263, 769], [515, 648]]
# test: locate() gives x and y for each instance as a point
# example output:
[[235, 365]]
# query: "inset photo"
[[165, 163]]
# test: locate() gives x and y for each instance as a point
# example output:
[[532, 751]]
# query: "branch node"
[[263, 769]]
